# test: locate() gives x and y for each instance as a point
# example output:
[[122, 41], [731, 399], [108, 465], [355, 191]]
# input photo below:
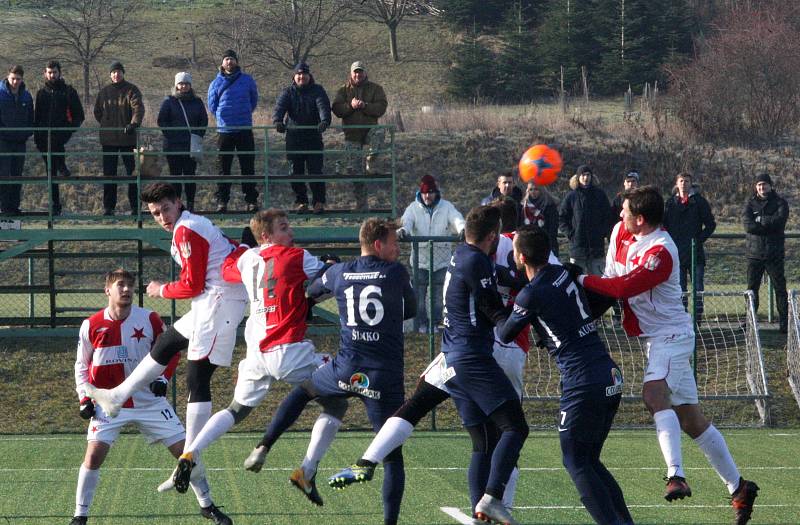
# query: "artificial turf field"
[[38, 476]]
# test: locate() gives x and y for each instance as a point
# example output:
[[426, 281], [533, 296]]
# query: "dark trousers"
[[698, 281], [774, 268], [312, 164], [110, 170], [238, 141], [11, 166], [183, 165], [58, 165]]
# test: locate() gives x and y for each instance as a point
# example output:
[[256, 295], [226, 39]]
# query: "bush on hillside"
[[745, 82]]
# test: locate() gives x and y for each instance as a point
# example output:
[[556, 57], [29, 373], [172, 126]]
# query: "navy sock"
[[504, 458], [285, 416], [579, 462], [394, 483], [478, 475]]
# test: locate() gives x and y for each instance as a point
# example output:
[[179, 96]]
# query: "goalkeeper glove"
[[87, 408], [159, 387]]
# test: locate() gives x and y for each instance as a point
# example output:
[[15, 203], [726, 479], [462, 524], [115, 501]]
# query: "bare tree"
[[391, 12], [236, 27], [80, 31]]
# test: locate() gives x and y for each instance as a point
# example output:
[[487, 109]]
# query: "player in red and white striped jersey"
[[642, 268], [111, 344], [208, 330], [277, 349]]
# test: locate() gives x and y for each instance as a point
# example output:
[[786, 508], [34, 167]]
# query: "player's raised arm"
[[521, 316], [193, 249], [655, 269]]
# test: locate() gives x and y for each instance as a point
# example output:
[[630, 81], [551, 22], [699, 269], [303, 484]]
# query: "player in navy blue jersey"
[[374, 296], [591, 383]]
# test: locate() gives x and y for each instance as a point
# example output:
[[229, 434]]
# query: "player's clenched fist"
[[154, 289], [87, 408]]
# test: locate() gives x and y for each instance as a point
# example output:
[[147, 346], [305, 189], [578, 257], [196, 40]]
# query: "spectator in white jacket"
[[431, 216]]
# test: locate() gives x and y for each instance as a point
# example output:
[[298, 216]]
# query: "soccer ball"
[[540, 164]]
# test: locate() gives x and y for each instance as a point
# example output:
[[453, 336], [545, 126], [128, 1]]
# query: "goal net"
[[793, 344], [731, 379]]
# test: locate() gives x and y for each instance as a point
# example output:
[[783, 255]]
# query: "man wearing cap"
[[305, 103], [764, 218], [430, 215], [232, 98], [585, 218], [119, 107], [183, 109], [688, 217], [360, 102], [629, 182]]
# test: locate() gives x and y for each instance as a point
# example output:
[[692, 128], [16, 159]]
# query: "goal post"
[[793, 344]]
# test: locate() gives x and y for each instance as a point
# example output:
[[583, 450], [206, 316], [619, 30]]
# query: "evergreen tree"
[[518, 66], [485, 15], [472, 75]]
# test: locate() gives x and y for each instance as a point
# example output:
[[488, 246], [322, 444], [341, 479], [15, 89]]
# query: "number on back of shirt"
[[369, 307], [573, 289], [267, 281]]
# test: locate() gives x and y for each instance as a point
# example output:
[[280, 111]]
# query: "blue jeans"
[[422, 297]]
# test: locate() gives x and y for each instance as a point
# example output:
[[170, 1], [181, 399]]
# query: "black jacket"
[[585, 219], [685, 222], [171, 116], [57, 106], [516, 194], [306, 106], [765, 224]]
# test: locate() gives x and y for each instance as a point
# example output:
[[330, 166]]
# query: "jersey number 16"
[[365, 299]]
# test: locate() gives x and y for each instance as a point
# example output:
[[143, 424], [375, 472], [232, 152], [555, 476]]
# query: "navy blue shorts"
[[587, 412], [478, 387], [381, 391]]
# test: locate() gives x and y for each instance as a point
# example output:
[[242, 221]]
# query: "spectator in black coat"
[[687, 217], [306, 103], [630, 182], [182, 109], [764, 218], [540, 208], [16, 111], [57, 106], [585, 219]]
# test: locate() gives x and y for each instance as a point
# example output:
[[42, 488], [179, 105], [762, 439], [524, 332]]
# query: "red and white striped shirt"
[[109, 350], [644, 272], [199, 248]]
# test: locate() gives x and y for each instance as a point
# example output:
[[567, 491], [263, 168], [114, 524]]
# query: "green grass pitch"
[[38, 476]]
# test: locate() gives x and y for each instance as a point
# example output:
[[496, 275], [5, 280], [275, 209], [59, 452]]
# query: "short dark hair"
[[157, 191], [647, 202], [375, 229], [508, 173], [262, 222], [534, 243], [683, 175], [53, 64], [509, 212], [17, 70], [481, 221], [120, 274]]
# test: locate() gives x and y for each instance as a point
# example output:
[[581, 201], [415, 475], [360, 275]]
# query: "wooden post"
[[585, 85], [628, 101]]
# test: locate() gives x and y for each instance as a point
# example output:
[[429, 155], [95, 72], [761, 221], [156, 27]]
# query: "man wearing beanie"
[[764, 218], [118, 106], [305, 103], [182, 109], [430, 215], [232, 98]]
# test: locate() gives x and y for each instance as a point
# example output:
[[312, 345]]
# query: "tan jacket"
[[118, 105], [369, 92]]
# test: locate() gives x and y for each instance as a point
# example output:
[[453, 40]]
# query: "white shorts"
[[210, 326], [670, 358], [157, 422], [437, 373], [292, 363], [512, 360]]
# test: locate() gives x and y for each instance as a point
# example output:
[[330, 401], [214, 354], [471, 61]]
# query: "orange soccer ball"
[[540, 164]]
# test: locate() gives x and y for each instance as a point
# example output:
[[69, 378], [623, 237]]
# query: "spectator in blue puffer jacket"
[[16, 111], [182, 109], [232, 98], [305, 103]]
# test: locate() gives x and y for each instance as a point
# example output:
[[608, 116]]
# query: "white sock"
[[219, 423], [392, 434], [716, 451], [202, 491], [84, 494], [322, 435], [145, 373], [668, 429], [511, 489], [197, 415]]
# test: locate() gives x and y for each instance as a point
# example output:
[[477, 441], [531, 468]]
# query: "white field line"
[[655, 506], [457, 515]]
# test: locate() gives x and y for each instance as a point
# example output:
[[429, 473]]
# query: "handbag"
[[195, 140]]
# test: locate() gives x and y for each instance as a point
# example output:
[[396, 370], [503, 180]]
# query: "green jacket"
[[118, 105], [369, 92]]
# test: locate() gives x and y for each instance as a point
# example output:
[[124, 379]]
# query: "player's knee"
[[395, 456], [333, 406], [238, 411], [481, 439], [167, 345], [198, 380], [509, 417], [425, 398]]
